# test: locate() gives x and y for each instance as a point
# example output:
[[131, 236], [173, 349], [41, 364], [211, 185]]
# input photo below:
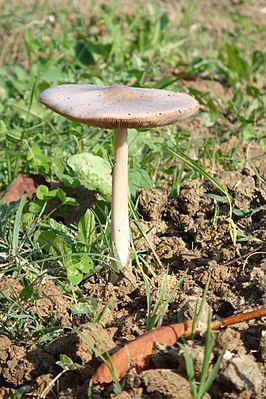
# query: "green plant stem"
[[24, 129]]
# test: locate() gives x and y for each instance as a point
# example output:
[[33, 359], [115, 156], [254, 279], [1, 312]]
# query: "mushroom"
[[119, 107]]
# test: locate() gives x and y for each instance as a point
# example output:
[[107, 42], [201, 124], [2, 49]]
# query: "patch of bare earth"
[[186, 235]]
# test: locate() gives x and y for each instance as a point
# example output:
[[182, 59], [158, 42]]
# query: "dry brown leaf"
[[137, 353], [20, 185]]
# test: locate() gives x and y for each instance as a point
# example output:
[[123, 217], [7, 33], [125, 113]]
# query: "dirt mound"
[[189, 232]]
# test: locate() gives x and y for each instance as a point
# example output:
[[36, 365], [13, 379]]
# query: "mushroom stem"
[[119, 217]]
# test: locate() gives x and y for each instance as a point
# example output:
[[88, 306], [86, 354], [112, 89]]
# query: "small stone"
[[187, 311], [6, 392], [197, 354], [263, 344], [232, 339], [99, 337], [167, 384], [122, 395], [166, 355], [242, 373]]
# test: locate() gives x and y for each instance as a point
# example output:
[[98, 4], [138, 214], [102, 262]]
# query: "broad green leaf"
[[67, 363], [61, 195], [68, 180], [52, 73], [42, 191], [51, 194], [246, 212], [236, 62], [80, 309], [27, 291], [3, 128], [138, 178], [74, 274], [250, 133], [95, 172], [83, 54], [53, 243], [217, 198], [59, 228], [19, 393], [86, 228], [85, 264], [76, 267], [99, 48], [36, 206], [37, 158], [90, 306], [263, 144]]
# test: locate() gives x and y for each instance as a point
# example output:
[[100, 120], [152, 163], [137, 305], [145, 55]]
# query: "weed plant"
[[44, 45], [208, 372]]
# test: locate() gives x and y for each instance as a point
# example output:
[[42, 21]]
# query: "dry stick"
[[242, 257], [137, 353], [239, 318]]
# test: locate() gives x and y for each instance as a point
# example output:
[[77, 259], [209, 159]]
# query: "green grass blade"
[[206, 386], [198, 314], [24, 128], [190, 370], [142, 232], [106, 360], [208, 348], [15, 238], [195, 166], [155, 314], [161, 307], [148, 298]]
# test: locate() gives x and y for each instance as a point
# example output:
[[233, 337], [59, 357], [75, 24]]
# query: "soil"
[[186, 236]]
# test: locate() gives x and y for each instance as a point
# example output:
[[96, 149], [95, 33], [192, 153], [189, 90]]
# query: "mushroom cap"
[[118, 106]]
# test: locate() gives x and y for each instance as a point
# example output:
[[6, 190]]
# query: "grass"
[[218, 57], [208, 373], [155, 314], [200, 388]]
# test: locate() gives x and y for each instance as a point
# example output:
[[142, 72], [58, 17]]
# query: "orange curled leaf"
[[137, 353]]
